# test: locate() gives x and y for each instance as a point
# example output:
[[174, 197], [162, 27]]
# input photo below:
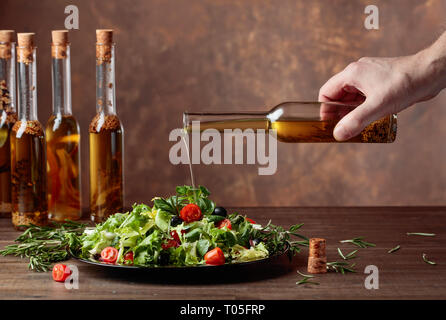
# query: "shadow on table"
[[237, 273]]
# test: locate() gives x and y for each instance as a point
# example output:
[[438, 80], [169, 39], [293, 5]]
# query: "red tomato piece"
[[190, 213], [169, 244], [109, 255], [129, 257], [250, 220], [61, 272], [215, 257], [224, 223], [175, 236]]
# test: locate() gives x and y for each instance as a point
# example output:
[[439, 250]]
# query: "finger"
[[356, 120], [332, 90]]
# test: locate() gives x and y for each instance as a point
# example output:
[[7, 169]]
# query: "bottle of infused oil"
[[106, 136], [62, 138], [28, 160], [8, 116], [295, 122]]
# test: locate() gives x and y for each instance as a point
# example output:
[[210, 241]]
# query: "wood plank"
[[402, 275]]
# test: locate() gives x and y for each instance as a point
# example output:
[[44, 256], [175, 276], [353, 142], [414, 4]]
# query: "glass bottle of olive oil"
[[106, 136], [62, 138], [8, 116], [296, 122], [28, 159]]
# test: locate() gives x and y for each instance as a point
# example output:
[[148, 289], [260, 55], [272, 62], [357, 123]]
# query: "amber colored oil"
[[5, 170], [63, 168], [380, 131], [106, 167], [303, 130], [28, 174]]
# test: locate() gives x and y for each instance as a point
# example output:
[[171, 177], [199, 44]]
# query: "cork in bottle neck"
[[6, 40], [60, 44], [104, 45], [25, 47]]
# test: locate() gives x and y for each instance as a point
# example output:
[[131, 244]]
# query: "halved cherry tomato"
[[109, 255], [190, 213], [169, 244], [250, 220], [60, 272], [215, 257], [128, 258], [224, 223], [175, 236]]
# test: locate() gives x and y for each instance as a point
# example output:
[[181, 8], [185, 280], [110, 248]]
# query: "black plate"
[[242, 271]]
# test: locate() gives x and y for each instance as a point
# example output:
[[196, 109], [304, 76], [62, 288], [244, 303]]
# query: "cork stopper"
[[104, 44], [25, 39], [6, 36], [60, 37], [59, 44], [317, 259], [25, 47], [104, 36]]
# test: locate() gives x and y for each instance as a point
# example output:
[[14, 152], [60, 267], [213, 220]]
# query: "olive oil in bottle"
[[62, 139], [296, 122], [8, 116], [106, 137], [28, 159]]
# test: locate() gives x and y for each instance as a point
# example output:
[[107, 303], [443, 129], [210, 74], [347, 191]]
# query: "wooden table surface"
[[402, 275]]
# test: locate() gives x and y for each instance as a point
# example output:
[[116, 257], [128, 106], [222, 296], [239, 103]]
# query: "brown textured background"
[[242, 55]]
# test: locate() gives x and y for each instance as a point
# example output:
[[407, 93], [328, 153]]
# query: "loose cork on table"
[[317, 259]]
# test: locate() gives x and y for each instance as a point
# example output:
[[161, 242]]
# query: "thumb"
[[355, 121]]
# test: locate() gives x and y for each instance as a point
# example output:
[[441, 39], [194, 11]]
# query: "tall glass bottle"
[[106, 136], [28, 160], [8, 116], [295, 122], [62, 138]]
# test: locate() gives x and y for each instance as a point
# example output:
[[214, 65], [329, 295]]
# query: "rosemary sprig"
[[278, 239], [359, 242], [349, 256], [45, 245], [340, 266], [421, 234], [306, 279], [427, 261], [394, 249]]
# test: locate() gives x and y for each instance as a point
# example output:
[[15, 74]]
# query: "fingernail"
[[340, 133]]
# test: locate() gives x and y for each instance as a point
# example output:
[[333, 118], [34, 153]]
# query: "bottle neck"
[[61, 75], [105, 79], [7, 74], [27, 83], [221, 121]]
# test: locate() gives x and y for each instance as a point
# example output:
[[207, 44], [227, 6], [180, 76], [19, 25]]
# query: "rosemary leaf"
[[427, 261], [351, 255], [394, 249], [421, 234], [306, 279], [358, 241], [340, 266]]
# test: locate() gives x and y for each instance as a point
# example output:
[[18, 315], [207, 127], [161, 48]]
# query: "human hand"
[[379, 87]]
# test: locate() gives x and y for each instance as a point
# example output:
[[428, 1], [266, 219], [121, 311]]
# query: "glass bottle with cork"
[[106, 136], [294, 122], [8, 116], [28, 159], [62, 138]]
